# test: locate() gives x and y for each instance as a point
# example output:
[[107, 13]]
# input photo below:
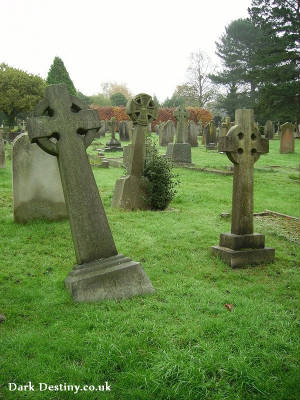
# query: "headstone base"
[[130, 193], [179, 152], [240, 250], [240, 258], [211, 146], [113, 145], [39, 209], [116, 277], [108, 149]]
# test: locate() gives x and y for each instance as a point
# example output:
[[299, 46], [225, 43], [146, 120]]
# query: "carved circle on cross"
[[243, 145], [141, 109], [181, 113], [43, 108]]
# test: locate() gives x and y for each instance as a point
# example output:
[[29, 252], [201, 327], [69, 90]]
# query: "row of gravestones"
[[167, 131], [112, 125], [101, 272], [272, 130]]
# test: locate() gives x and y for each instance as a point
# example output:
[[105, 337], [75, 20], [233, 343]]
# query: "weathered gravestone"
[[167, 132], [180, 152], [2, 151], [287, 140], [243, 145], [225, 126], [124, 130], [210, 136], [101, 272], [269, 130], [102, 129], [200, 128], [37, 189], [130, 191], [160, 131], [192, 134], [126, 155], [156, 129], [113, 144]]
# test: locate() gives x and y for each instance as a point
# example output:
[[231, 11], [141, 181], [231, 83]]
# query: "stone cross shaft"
[[243, 145], [63, 127], [113, 126], [181, 115], [142, 110]]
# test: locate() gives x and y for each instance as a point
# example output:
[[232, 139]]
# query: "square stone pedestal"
[[179, 152], [113, 145], [240, 250], [115, 277]]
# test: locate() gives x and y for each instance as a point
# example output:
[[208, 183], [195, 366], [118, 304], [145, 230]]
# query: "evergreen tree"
[[261, 60], [19, 92], [118, 99], [236, 49], [278, 56], [58, 74]]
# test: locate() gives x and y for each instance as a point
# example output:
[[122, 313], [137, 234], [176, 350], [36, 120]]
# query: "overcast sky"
[[145, 44]]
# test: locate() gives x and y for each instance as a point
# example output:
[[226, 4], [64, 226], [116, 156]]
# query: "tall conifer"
[[58, 74]]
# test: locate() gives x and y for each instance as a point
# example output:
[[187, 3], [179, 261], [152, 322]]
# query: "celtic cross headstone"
[[64, 127], [181, 115], [180, 152], [243, 145], [113, 123], [225, 126], [113, 144], [130, 191]]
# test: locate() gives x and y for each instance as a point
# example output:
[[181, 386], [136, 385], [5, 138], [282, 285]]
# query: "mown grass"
[[180, 343]]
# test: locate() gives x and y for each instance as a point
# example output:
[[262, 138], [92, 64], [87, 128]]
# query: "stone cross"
[[131, 191], [141, 109], [225, 126], [181, 115], [64, 128], [113, 123], [243, 145]]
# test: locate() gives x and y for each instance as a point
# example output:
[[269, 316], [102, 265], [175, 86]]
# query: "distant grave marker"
[[269, 129], [2, 151], [192, 133], [287, 140], [113, 144], [210, 136], [130, 191], [180, 152]]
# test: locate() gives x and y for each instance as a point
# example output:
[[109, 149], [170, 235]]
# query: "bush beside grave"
[[159, 171]]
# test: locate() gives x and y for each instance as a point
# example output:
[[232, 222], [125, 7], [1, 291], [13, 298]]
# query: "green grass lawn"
[[182, 342]]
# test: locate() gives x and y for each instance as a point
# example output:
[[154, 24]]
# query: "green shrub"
[[159, 171]]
